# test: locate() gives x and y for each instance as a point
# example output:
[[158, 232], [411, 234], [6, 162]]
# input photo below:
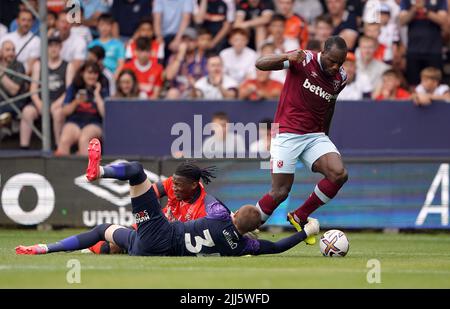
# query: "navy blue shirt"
[[424, 36], [214, 234], [128, 14]]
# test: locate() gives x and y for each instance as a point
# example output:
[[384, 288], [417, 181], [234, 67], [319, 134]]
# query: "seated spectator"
[[52, 17], [127, 15], [11, 85], [127, 85], [97, 54], [296, 28], [84, 108], [254, 16], [260, 88], [74, 46], [390, 88], [213, 15], [114, 48], [223, 142], [216, 85], [60, 75], [323, 29], [358, 85], [276, 35], [145, 29], [149, 73], [24, 40], [189, 64], [261, 146], [344, 22], [366, 64], [430, 87], [238, 60]]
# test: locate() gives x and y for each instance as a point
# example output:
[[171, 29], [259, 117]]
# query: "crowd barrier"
[[398, 194], [359, 128]]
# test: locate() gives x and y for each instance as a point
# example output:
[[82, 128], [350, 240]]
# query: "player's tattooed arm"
[[277, 62]]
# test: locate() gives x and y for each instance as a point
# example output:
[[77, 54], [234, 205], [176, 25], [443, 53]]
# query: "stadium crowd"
[[206, 49]]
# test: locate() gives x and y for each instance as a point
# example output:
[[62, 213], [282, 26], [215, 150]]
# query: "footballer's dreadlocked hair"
[[192, 171]]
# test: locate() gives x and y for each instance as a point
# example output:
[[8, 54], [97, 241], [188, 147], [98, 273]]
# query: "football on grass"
[[334, 243]]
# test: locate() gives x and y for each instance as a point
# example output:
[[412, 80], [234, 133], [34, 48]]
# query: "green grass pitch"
[[406, 260]]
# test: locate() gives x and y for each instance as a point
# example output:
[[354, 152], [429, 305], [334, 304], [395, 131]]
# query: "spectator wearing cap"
[[127, 14], [344, 22], [430, 88], [239, 59], [60, 76], [189, 64], [216, 85], [254, 16], [114, 48], [366, 64], [296, 28], [358, 85], [213, 16], [171, 18], [425, 20], [149, 73], [390, 88], [390, 35], [26, 44]]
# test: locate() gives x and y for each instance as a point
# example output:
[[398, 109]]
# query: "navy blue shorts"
[[82, 123], [154, 235]]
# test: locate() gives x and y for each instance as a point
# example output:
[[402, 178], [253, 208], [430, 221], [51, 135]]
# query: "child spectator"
[[430, 88], [145, 29], [149, 73], [390, 88], [238, 60], [114, 49]]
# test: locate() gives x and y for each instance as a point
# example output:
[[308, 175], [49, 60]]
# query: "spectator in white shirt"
[[223, 142], [216, 85], [239, 59], [27, 52], [74, 46], [430, 87], [3, 31]]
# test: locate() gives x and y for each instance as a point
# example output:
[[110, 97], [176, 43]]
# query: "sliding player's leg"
[[81, 241]]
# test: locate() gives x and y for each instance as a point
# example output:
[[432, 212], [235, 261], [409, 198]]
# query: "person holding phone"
[[84, 108]]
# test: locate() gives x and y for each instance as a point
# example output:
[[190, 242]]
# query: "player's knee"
[[280, 194], [339, 176], [101, 229]]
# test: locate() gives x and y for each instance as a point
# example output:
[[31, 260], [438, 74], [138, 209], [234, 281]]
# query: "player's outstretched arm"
[[268, 247], [279, 62]]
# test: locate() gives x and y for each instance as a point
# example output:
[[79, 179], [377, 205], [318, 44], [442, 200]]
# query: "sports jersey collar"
[[142, 68], [318, 59]]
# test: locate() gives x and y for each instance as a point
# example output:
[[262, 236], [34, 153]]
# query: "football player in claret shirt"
[[304, 113], [218, 233]]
